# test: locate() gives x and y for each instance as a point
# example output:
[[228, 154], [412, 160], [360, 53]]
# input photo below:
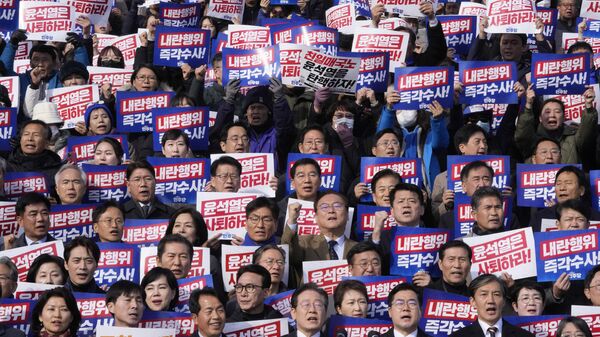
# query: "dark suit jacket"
[[10, 332], [158, 210], [21, 242], [508, 330], [390, 333]]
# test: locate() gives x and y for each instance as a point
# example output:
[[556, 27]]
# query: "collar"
[[485, 326], [480, 231], [340, 241], [142, 204], [300, 334], [412, 334], [29, 241], [249, 242]]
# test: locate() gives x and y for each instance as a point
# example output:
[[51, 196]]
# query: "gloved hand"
[[276, 88], [18, 36], [74, 39], [231, 90], [345, 135], [321, 95]]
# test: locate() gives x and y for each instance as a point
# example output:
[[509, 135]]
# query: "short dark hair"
[[484, 192], [85, 242], [173, 238], [45, 126], [261, 202], [382, 174], [30, 198], [36, 324], [313, 127], [522, 37], [173, 134], [580, 45], [43, 259], [577, 321], [398, 288], [407, 187], [455, 244], [225, 160], [554, 100], [98, 211], [218, 57], [262, 249], [484, 279], [346, 285], [541, 140], [306, 287], [116, 145], [516, 289], [140, 164], [45, 49], [581, 180], [330, 192], [156, 273], [302, 162], [225, 131], [194, 301], [256, 269], [361, 247], [464, 134], [384, 132], [464, 173], [574, 204], [590, 275], [148, 66], [123, 287], [199, 224]]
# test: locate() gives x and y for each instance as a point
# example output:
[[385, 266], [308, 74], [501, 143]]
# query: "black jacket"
[[158, 210], [508, 330], [390, 333], [239, 316]]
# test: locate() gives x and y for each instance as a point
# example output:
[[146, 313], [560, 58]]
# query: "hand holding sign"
[[392, 98], [539, 29], [421, 279], [589, 95], [377, 12], [561, 286], [436, 109], [426, 7]]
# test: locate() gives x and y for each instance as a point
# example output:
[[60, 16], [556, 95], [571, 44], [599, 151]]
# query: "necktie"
[[492, 331], [35, 243], [145, 210], [332, 254]]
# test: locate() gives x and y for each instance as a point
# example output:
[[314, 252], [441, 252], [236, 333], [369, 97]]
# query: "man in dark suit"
[[207, 312], [141, 183], [455, 264], [488, 297], [309, 310], [405, 312], [33, 215]]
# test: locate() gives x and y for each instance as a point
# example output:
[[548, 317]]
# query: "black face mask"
[[111, 64]]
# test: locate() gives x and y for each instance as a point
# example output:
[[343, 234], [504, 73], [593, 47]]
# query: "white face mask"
[[347, 121], [485, 126], [54, 129], [406, 118]]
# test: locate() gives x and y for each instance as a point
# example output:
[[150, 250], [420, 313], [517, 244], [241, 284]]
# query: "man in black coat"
[[33, 215], [309, 310], [141, 183], [488, 297], [405, 312]]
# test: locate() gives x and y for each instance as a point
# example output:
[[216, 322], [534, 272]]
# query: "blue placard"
[[560, 74], [459, 31], [595, 187], [8, 126], [9, 15], [500, 165], [118, 261], [16, 313], [487, 82], [284, 2], [463, 220], [218, 44], [191, 120], [574, 252], [252, 67], [82, 149], [592, 28], [17, 183], [144, 232], [419, 86], [540, 326], [178, 180], [378, 288], [180, 321], [105, 183], [409, 169], [416, 249], [70, 221], [93, 313], [179, 15], [365, 220], [373, 71], [134, 109], [189, 284], [175, 46], [282, 302], [324, 38], [354, 326], [444, 313], [331, 170], [362, 7], [535, 183]]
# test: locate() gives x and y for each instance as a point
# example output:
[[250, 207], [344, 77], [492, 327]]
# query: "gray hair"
[[14, 272], [70, 167]]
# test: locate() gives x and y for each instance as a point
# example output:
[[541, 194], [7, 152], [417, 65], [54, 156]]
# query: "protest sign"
[[144, 232], [540, 326], [97, 11], [590, 9], [512, 252], [46, 21], [337, 73], [226, 9], [289, 59], [444, 312], [32, 291], [381, 40], [595, 188], [464, 220], [574, 252], [189, 284], [181, 322], [224, 213], [93, 313], [175, 46], [257, 170], [282, 302], [340, 16], [535, 183], [23, 256], [8, 218], [191, 120], [592, 29], [200, 261], [235, 257], [487, 82], [70, 221], [420, 86], [509, 16], [365, 220], [325, 274], [500, 165], [178, 180], [355, 326], [472, 8], [72, 102], [116, 77], [409, 169], [134, 109], [180, 15], [9, 15], [266, 328], [569, 39], [378, 288], [8, 127], [553, 74], [105, 183], [415, 249], [306, 218], [373, 70], [82, 149], [362, 8], [460, 31], [408, 8], [119, 331], [283, 33], [330, 165], [12, 85], [127, 44], [319, 37], [574, 105], [252, 67], [590, 314], [284, 2], [16, 313], [17, 183], [118, 261], [248, 37]]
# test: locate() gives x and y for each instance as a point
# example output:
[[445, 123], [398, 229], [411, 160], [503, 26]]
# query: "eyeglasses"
[[373, 263], [594, 286], [318, 305], [236, 139], [253, 219], [271, 262], [337, 206], [224, 177], [250, 288], [110, 221], [401, 303], [387, 143], [535, 299], [145, 78]]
